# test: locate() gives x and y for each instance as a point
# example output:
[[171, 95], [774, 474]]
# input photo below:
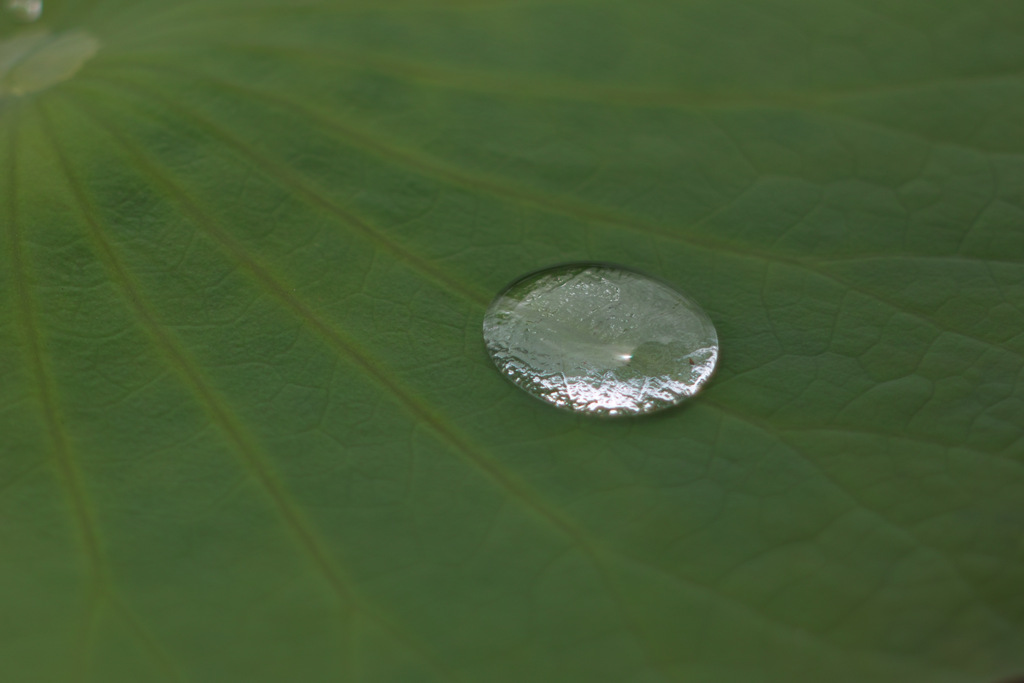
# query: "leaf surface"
[[248, 428]]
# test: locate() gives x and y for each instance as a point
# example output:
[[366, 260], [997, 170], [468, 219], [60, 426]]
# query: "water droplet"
[[36, 59], [601, 340], [25, 10]]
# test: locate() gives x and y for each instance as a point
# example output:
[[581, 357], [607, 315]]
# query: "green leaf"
[[248, 428]]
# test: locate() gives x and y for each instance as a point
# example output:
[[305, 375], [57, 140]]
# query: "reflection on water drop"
[[601, 340], [25, 10]]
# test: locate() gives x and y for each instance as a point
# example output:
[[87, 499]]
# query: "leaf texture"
[[248, 428]]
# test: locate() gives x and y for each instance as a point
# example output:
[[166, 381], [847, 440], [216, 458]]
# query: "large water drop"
[[601, 340]]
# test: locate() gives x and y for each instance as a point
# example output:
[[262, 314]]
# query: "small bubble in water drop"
[[601, 340], [25, 10]]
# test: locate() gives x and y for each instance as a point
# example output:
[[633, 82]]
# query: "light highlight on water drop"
[[25, 10], [601, 340]]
